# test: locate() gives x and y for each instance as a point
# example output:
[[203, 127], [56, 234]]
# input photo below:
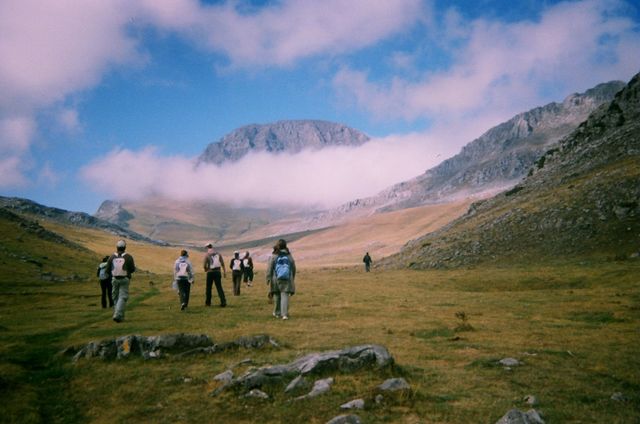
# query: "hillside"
[[580, 198], [281, 136], [493, 162], [36, 210]]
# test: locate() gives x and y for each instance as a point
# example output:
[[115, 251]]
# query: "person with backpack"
[[213, 263], [237, 269], [367, 262], [281, 274], [247, 262], [120, 266], [183, 277], [105, 283]]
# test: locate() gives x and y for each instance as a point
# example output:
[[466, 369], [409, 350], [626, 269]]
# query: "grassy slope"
[[574, 325]]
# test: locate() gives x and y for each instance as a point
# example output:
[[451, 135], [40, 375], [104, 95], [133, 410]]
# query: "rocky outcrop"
[[345, 360], [281, 136], [581, 197], [113, 212], [152, 347], [495, 161]]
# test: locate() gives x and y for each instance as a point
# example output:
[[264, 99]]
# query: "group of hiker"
[[114, 273]]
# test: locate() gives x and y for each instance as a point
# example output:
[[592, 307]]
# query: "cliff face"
[[581, 197], [282, 136], [495, 161]]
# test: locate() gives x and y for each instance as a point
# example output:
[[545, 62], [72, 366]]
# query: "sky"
[[116, 99]]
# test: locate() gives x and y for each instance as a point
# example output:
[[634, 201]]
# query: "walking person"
[[105, 283], [367, 262], [120, 266], [281, 273], [183, 277], [247, 262], [213, 264], [237, 269]]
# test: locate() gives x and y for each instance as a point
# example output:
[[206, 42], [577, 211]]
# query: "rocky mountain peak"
[[283, 136]]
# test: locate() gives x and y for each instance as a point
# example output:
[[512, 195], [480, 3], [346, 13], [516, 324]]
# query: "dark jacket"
[[271, 277]]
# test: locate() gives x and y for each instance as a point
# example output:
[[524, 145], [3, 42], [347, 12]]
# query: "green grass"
[[578, 345], [573, 325]]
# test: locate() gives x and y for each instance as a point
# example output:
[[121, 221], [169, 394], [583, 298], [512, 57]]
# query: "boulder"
[[394, 385], [345, 360], [354, 404], [515, 416], [297, 384], [345, 419], [510, 362], [319, 387]]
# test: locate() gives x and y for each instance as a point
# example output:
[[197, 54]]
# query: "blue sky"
[[114, 99]]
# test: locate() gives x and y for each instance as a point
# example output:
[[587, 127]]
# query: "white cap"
[[121, 244]]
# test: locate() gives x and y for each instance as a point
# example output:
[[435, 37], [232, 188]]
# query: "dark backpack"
[[283, 267]]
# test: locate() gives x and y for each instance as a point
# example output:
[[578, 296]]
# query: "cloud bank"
[[324, 178]]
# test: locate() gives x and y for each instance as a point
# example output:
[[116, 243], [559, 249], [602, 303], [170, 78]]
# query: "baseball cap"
[[121, 244]]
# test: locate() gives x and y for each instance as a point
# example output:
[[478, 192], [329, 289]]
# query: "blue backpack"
[[283, 268]]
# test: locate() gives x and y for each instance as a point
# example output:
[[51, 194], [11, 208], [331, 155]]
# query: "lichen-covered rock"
[[345, 360]]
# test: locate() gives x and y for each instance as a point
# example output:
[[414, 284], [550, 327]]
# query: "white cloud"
[[327, 178], [500, 69]]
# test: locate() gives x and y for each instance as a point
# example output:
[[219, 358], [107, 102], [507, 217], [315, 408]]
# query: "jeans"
[[120, 296], [184, 289], [107, 290], [214, 276], [237, 279]]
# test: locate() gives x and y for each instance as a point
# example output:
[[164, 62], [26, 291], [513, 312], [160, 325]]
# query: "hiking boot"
[[116, 319], [183, 307]]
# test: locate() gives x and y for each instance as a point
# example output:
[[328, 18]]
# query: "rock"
[[153, 347], [225, 377], [345, 419], [257, 394], [345, 360], [510, 362], [394, 385], [297, 384], [354, 404], [319, 387], [379, 399], [619, 397], [515, 416], [530, 400]]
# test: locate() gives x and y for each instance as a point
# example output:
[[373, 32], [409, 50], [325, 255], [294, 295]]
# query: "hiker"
[[367, 262], [213, 262], [247, 262], [183, 277], [105, 283], [237, 269], [281, 273], [120, 266]]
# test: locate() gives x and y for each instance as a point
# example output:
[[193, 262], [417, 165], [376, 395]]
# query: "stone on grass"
[[345, 360], [530, 400], [319, 387], [225, 377], [257, 394], [394, 385], [619, 397], [297, 384], [345, 419], [515, 416], [354, 404], [510, 362]]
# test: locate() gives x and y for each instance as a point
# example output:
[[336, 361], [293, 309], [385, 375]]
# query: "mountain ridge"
[[290, 136], [580, 198]]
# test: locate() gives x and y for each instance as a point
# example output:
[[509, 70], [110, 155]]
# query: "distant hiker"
[[120, 266], [183, 276], [105, 282], [367, 262], [213, 262], [281, 273], [247, 262], [237, 269]]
